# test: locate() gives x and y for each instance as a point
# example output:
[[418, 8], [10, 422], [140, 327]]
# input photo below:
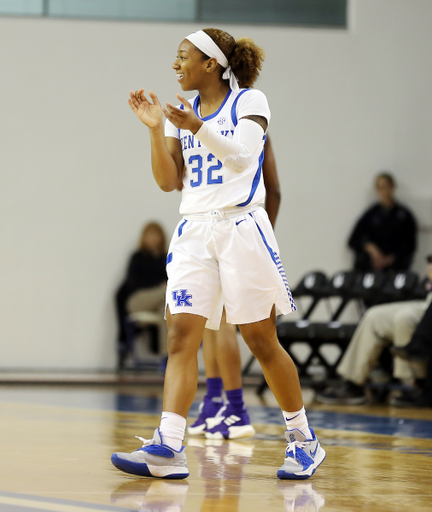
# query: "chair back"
[[312, 284], [342, 284], [400, 286], [369, 286]]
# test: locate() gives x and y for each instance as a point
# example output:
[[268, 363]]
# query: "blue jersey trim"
[[180, 229], [234, 107], [169, 258], [211, 116], [181, 108], [255, 181]]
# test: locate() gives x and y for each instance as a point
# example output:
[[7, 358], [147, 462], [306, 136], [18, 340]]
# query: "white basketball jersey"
[[207, 184]]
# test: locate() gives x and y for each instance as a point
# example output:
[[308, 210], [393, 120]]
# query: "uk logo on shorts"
[[182, 298]]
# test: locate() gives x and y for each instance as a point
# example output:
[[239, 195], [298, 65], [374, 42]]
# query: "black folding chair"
[[342, 286], [368, 288], [399, 286], [421, 290], [318, 334], [314, 285]]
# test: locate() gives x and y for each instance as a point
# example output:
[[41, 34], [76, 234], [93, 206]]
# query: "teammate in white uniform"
[[218, 419], [223, 251]]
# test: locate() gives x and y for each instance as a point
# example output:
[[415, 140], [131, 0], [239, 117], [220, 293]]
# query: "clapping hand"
[[185, 118], [149, 113]]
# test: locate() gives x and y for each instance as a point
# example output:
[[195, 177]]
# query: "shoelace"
[[145, 442], [292, 447]]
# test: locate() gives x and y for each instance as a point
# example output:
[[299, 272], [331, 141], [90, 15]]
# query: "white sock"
[[298, 420], [172, 429]]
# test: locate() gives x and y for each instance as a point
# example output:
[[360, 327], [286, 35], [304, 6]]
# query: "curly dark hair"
[[244, 56]]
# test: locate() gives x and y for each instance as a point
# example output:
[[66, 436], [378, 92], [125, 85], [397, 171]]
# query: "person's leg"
[[226, 349], [374, 332], [209, 349], [163, 456], [213, 400], [279, 369], [152, 299], [147, 299], [418, 347], [282, 377], [231, 422], [406, 321], [185, 333]]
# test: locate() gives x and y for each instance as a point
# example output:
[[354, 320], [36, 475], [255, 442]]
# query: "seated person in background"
[[418, 349], [381, 325], [384, 238], [144, 286]]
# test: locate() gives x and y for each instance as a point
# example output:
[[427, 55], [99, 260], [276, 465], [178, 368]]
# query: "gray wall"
[[76, 184]]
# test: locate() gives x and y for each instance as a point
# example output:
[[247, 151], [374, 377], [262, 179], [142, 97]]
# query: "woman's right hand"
[[148, 113]]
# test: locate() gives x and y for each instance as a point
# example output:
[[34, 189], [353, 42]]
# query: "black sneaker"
[[346, 393], [412, 398]]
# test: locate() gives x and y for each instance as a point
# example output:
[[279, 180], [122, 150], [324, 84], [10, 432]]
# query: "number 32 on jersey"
[[210, 168]]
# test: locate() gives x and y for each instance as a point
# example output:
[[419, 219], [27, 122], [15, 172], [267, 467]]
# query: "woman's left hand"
[[185, 119]]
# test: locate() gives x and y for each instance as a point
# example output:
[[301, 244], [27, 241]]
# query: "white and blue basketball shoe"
[[302, 456], [154, 459]]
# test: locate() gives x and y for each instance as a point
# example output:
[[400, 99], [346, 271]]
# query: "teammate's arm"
[[271, 182]]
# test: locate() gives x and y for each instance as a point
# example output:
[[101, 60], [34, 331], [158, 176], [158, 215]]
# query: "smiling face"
[[190, 66]]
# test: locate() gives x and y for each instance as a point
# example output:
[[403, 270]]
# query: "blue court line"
[[318, 419], [10, 507], [90, 399]]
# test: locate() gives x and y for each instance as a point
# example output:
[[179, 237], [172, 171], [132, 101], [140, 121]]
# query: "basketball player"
[[224, 245]]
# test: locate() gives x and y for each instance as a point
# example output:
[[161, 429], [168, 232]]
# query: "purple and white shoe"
[[208, 408], [229, 424]]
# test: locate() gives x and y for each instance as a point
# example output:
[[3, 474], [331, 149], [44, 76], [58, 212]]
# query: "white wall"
[[76, 183]]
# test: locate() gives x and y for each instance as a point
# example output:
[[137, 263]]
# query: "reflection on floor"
[[56, 444]]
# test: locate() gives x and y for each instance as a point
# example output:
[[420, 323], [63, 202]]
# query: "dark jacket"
[[393, 230], [145, 271]]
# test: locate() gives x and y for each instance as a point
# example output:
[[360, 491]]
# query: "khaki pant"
[[151, 299], [381, 326]]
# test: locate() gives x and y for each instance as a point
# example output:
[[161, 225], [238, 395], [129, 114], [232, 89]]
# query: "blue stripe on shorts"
[[277, 261]]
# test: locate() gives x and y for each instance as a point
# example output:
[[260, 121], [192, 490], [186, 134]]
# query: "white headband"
[[206, 44]]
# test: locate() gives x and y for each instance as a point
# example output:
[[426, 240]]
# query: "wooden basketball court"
[[56, 443]]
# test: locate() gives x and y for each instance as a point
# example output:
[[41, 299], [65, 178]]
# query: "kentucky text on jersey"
[[188, 141]]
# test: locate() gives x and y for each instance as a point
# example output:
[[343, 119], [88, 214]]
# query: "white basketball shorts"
[[228, 258]]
